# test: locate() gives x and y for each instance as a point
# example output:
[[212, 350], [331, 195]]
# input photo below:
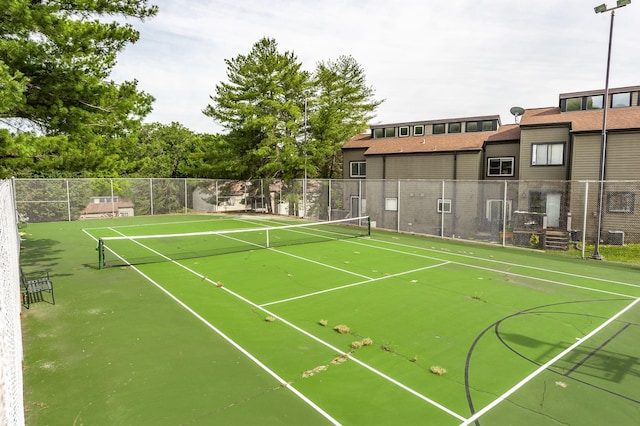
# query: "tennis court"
[[273, 324]]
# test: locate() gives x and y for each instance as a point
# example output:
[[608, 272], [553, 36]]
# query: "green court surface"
[[247, 337]]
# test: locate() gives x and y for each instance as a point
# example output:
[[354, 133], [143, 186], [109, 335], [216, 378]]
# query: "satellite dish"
[[516, 111]]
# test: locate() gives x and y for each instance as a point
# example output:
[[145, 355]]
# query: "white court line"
[[545, 366], [498, 271], [352, 285], [505, 263], [272, 373], [499, 262], [140, 225], [362, 364]]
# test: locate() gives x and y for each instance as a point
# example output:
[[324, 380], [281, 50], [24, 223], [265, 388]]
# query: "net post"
[[267, 242], [100, 250], [368, 226]]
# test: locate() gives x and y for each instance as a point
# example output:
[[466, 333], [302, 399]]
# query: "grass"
[[629, 253], [128, 349]]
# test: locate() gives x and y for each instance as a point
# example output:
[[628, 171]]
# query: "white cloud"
[[427, 59]]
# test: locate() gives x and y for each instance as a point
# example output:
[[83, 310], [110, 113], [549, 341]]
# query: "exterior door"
[[553, 210], [355, 206]]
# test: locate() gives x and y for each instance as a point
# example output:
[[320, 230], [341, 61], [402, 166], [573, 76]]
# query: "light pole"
[[603, 148]]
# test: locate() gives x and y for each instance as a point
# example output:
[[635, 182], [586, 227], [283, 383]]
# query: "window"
[[488, 125], [455, 127], [389, 132], [438, 129], [594, 102], [403, 131], [472, 126], [620, 202], [495, 211], [391, 204], [418, 130], [621, 100], [547, 154], [378, 133], [444, 205], [537, 202], [573, 104], [501, 166], [358, 168]]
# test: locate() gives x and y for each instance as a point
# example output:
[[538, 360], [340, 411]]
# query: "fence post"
[[185, 196], [398, 209], [151, 195], [113, 202], [68, 200], [329, 202], [442, 210], [215, 209], [584, 216], [504, 215]]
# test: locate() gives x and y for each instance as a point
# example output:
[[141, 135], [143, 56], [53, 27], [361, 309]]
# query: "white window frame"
[[552, 149], [418, 130], [489, 209], [359, 165], [502, 160], [403, 131], [391, 204], [444, 205]]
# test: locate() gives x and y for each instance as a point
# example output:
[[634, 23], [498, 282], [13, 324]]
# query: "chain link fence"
[[544, 214], [11, 384]]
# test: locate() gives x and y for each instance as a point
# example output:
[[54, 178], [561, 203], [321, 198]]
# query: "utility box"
[[616, 238]]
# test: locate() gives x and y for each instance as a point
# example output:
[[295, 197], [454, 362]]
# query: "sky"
[[426, 59]]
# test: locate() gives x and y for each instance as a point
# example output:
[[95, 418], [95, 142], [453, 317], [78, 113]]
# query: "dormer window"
[[621, 100], [594, 102]]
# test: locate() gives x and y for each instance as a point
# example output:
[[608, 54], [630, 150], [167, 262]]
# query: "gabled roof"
[[448, 142], [583, 121]]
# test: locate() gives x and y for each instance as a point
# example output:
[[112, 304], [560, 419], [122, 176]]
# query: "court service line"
[[299, 257], [352, 285], [236, 345], [495, 261], [548, 364], [293, 326], [484, 268], [519, 265]]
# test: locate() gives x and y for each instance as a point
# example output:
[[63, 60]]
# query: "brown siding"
[[430, 166], [469, 166], [586, 157], [542, 135], [374, 167], [623, 152]]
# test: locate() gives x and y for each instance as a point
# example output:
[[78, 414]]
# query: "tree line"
[[62, 116]]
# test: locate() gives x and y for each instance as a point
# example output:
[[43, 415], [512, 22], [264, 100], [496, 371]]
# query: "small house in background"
[[104, 207]]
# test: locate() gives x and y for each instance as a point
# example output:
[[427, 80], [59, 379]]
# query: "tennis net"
[[140, 249]]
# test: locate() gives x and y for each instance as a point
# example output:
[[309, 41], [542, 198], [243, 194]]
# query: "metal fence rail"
[[551, 214]]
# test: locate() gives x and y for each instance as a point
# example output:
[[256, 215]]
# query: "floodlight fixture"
[[622, 3], [601, 9]]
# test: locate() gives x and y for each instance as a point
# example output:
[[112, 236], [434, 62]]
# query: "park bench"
[[33, 287]]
